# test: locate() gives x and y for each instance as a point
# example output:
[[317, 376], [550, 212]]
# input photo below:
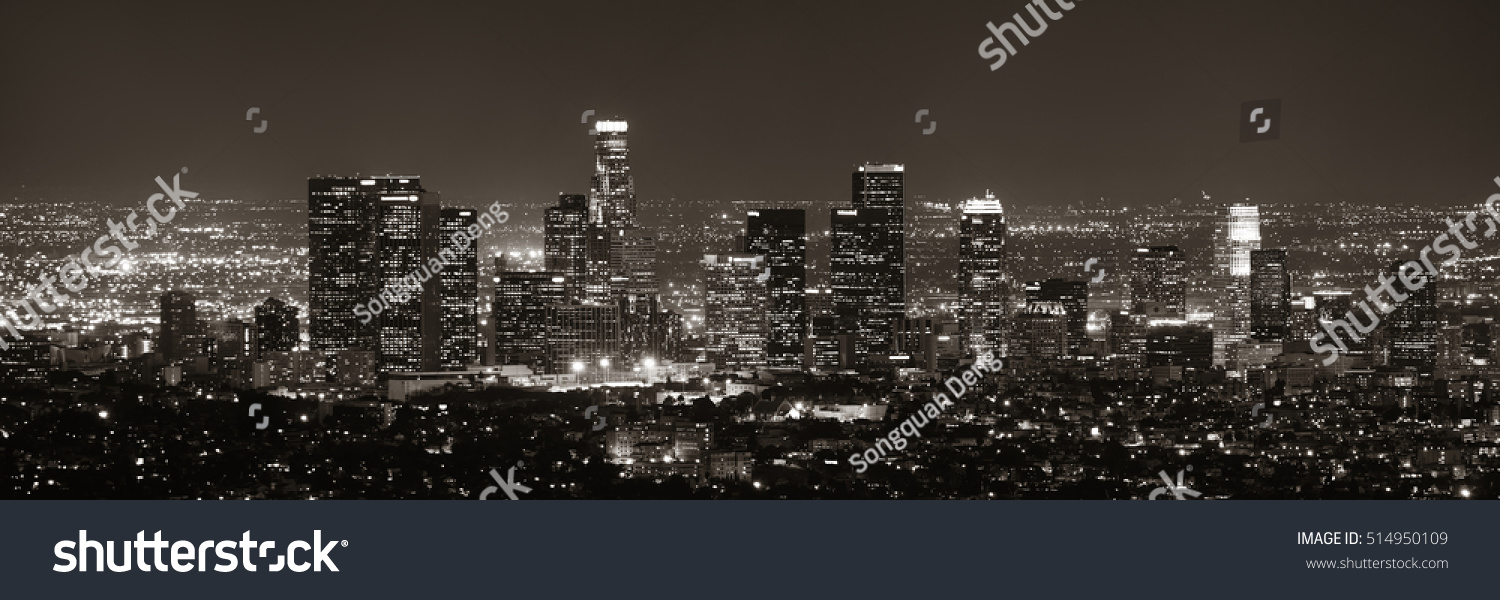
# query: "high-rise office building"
[[1270, 295], [1235, 237], [867, 259], [1180, 344], [866, 286], [1043, 328], [612, 191], [181, 334], [781, 237], [1158, 284], [458, 292], [520, 314], [634, 286], [343, 214], [581, 336], [736, 301], [883, 186], [410, 332], [1412, 336], [1073, 298], [276, 326], [566, 241], [982, 276]]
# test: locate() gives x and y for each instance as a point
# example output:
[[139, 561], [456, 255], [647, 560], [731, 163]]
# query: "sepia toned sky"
[[1131, 102]]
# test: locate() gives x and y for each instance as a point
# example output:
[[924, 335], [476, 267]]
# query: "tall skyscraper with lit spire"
[[612, 191], [1235, 237], [982, 274]]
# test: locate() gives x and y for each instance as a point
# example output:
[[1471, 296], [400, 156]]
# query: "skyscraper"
[[735, 305], [633, 285], [1073, 298], [867, 259], [1270, 295], [1412, 335], [1158, 286], [520, 313], [582, 335], [781, 237], [1235, 237], [566, 241], [343, 214], [612, 191], [1044, 331], [276, 327], [458, 293], [883, 186], [180, 332], [410, 332], [982, 274], [864, 283]]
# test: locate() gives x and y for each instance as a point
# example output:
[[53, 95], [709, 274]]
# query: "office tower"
[[520, 314], [830, 347], [232, 340], [1127, 339], [458, 292], [1270, 295], [883, 186], [633, 285], [632, 264], [597, 277], [736, 301], [1185, 345], [1073, 297], [612, 191], [180, 334], [1412, 336], [566, 240], [580, 336], [276, 327], [343, 214], [1336, 310], [1235, 237], [922, 341], [781, 237], [865, 286], [410, 331], [1043, 328], [1158, 285], [667, 331], [982, 277], [878, 185]]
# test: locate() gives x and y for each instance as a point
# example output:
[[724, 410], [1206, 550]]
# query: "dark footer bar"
[[819, 549]]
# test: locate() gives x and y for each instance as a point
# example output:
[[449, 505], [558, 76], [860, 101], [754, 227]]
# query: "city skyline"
[[724, 251]]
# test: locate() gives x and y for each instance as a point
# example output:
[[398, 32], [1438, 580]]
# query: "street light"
[[604, 364], [577, 370]]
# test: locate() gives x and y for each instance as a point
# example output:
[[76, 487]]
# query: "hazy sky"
[[1134, 101]]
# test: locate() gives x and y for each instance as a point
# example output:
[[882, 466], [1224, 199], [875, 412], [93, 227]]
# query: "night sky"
[[1130, 101]]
